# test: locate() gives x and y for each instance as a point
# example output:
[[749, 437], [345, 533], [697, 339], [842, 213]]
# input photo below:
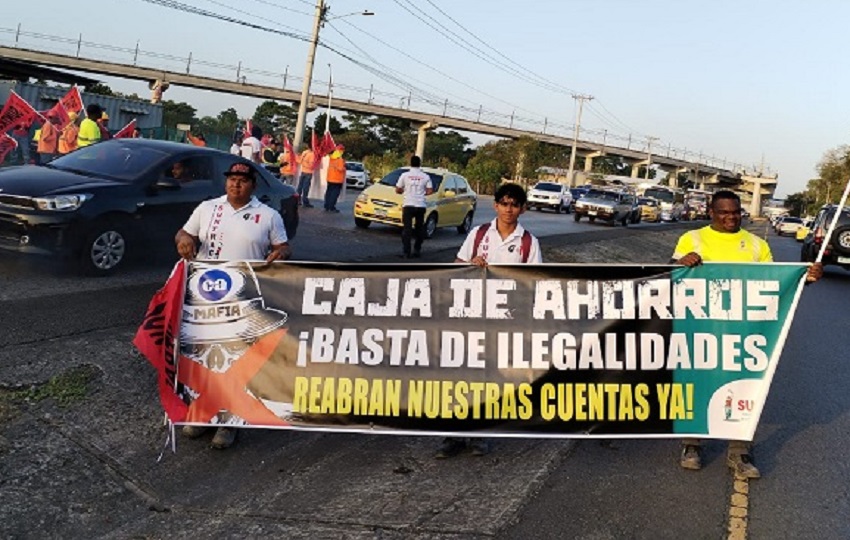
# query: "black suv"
[[837, 247], [97, 205]]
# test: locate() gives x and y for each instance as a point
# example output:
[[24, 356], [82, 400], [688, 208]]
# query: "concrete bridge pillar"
[[588, 160], [420, 138], [636, 166]]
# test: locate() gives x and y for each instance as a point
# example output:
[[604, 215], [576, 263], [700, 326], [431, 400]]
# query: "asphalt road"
[[91, 471]]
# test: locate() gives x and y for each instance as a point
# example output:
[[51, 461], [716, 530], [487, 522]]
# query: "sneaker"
[[480, 447], [743, 466], [450, 448], [224, 438], [193, 432], [691, 458], [334, 210]]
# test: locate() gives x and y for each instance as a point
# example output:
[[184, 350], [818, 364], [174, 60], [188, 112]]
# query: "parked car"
[[577, 193], [356, 175], [789, 225], [550, 195], [452, 204], [610, 206], [649, 209], [837, 251], [104, 202], [804, 229]]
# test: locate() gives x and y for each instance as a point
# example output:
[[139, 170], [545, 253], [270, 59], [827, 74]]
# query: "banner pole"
[[834, 222]]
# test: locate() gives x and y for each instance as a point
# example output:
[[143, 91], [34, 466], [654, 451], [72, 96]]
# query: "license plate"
[[843, 260], [591, 212], [380, 212]]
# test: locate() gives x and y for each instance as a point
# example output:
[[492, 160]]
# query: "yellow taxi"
[[451, 205], [649, 209]]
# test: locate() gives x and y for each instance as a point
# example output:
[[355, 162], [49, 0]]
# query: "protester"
[[250, 148], [725, 241], [307, 161], [236, 147], [244, 229], [21, 134], [287, 167], [200, 140], [103, 125], [336, 178], [416, 185], [68, 137], [271, 155], [137, 133], [89, 132], [502, 241], [48, 141]]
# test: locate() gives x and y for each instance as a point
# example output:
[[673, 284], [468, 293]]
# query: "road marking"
[[739, 504]]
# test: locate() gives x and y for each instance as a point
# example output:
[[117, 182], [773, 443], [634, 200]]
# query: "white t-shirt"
[[235, 150], [414, 182], [250, 146], [229, 234], [498, 251]]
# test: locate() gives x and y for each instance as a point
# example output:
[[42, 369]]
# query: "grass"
[[65, 389]]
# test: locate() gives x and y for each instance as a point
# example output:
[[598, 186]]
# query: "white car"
[[356, 175], [550, 195], [789, 226]]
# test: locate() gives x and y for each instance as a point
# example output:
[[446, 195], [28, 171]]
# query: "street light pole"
[[581, 99], [648, 156], [308, 75]]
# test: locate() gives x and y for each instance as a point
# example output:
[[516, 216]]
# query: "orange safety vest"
[[49, 139], [336, 171], [287, 167], [68, 139]]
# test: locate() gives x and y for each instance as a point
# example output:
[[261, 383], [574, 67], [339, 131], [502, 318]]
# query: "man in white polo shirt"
[[235, 226], [502, 241]]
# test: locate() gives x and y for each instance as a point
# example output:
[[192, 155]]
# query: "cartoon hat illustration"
[[223, 303]]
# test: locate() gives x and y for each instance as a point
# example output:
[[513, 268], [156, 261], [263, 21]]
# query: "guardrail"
[[411, 101]]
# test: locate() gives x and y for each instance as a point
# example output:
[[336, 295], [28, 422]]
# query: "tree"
[[275, 118], [100, 89], [796, 203], [489, 165], [174, 113], [335, 125], [447, 147]]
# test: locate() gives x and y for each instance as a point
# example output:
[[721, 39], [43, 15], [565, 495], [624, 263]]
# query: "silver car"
[[356, 175], [610, 206]]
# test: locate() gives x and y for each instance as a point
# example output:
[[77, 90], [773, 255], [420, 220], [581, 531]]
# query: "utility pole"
[[581, 98], [321, 10], [649, 141]]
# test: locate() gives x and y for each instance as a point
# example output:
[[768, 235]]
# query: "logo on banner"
[[214, 285], [732, 409]]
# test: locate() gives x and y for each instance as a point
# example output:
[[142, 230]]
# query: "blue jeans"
[[23, 147], [303, 189]]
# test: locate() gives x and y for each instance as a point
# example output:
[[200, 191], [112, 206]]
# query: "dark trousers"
[[303, 189], [331, 195], [413, 220]]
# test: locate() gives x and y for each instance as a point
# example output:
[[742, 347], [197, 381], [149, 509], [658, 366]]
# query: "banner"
[[59, 113], [16, 111], [126, 131], [526, 350], [7, 144]]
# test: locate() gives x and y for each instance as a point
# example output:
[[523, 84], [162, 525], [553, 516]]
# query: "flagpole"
[[330, 98], [834, 222]]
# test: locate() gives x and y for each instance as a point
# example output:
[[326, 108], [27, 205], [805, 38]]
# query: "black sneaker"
[[480, 447], [450, 448]]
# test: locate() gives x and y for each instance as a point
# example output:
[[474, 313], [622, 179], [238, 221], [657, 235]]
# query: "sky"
[[742, 81]]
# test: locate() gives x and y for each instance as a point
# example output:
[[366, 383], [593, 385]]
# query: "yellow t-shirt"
[[714, 246], [89, 133]]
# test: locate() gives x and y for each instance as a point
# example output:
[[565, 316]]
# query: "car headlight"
[[62, 203], [362, 198]]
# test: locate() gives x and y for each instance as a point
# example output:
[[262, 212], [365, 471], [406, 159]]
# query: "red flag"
[[58, 112], [126, 131], [287, 145], [315, 145], [328, 144], [16, 111], [73, 101], [7, 144], [156, 339]]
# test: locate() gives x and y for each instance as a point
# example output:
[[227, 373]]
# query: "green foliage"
[[447, 147], [610, 165], [65, 388], [100, 89], [797, 204], [335, 126], [489, 165], [383, 164], [275, 118], [174, 112]]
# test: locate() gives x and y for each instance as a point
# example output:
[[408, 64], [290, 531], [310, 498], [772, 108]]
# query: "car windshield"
[[392, 178], [354, 166], [647, 202], [599, 194], [660, 194], [792, 220], [548, 186], [111, 161], [578, 192]]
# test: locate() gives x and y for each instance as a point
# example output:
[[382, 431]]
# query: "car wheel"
[[104, 249], [362, 223], [591, 218], [576, 217], [431, 225], [466, 226]]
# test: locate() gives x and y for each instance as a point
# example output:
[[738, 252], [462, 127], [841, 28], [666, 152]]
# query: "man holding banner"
[[724, 241]]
